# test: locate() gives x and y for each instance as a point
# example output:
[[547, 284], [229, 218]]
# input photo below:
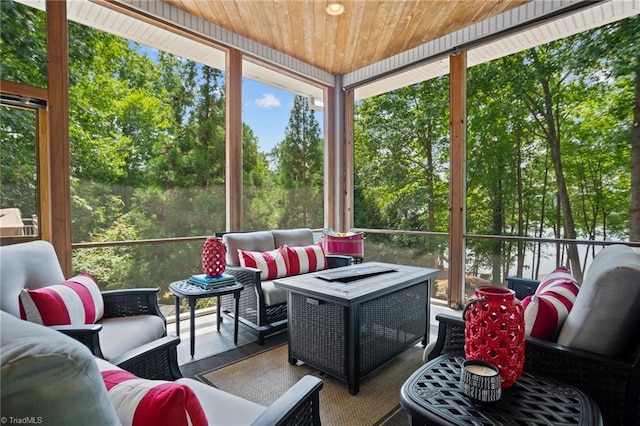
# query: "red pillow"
[[305, 259], [543, 316], [546, 311], [272, 263], [561, 285], [76, 301], [142, 402]]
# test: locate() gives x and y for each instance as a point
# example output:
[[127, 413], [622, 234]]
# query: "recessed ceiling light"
[[335, 9]]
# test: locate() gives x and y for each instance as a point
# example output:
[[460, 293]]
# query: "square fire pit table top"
[[377, 279]]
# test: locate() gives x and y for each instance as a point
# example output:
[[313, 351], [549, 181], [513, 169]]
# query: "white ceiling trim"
[[576, 23], [444, 46], [592, 17], [282, 81]]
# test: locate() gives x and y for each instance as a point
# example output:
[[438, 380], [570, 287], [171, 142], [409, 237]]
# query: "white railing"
[[12, 224]]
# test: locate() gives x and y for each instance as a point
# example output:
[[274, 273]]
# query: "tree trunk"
[[428, 148], [520, 249], [634, 207], [563, 194], [536, 271], [565, 206], [498, 220]]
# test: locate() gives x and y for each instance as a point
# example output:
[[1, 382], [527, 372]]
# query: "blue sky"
[[266, 110]]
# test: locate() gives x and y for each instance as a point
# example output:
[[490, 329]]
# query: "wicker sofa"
[[52, 379], [598, 348], [263, 307]]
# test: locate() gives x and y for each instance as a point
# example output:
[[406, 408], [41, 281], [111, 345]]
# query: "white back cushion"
[[250, 241], [29, 265], [606, 315]]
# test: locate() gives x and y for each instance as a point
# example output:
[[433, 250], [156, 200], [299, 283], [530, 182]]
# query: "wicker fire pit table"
[[349, 321]]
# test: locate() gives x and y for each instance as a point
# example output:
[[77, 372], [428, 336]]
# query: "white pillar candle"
[[481, 370]]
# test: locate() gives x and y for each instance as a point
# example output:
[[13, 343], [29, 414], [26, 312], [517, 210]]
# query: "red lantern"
[[213, 257], [494, 331]]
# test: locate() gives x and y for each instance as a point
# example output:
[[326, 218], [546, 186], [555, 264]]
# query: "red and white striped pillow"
[[543, 316], [142, 402], [272, 264], [305, 259], [560, 284], [546, 311], [76, 301]]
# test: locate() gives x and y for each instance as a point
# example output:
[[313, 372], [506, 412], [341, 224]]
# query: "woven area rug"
[[263, 377]]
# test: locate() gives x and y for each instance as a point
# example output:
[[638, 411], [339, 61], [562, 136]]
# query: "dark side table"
[[182, 289], [432, 396]]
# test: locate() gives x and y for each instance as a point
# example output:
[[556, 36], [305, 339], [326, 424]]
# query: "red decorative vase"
[[213, 257], [494, 331]]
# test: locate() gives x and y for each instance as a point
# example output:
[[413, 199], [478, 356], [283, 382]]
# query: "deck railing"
[[178, 258]]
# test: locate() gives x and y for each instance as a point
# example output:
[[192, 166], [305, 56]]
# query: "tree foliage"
[[401, 148], [300, 169], [549, 144]]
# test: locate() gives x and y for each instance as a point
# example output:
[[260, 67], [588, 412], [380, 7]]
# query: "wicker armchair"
[[613, 383], [263, 308], [48, 375], [132, 317], [298, 406], [598, 346]]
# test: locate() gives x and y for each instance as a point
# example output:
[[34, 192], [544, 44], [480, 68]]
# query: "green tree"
[[540, 78], [494, 139], [195, 154], [300, 168], [23, 44], [18, 162], [22, 60], [208, 155], [616, 48], [261, 192], [547, 150], [118, 111], [401, 157]]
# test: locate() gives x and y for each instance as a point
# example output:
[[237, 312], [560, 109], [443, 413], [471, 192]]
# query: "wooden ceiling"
[[369, 31]]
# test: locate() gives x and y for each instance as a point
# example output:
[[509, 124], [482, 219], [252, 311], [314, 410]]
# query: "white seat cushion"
[[32, 265], [222, 408], [293, 237], [272, 294], [119, 335]]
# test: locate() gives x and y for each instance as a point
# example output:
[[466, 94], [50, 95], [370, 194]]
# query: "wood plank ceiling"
[[369, 30]]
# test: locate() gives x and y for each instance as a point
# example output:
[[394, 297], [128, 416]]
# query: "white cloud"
[[268, 100]]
